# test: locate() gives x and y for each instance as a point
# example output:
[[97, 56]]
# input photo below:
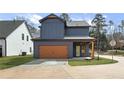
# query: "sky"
[[34, 17]]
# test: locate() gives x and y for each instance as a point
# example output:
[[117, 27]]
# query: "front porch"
[[83, 49]]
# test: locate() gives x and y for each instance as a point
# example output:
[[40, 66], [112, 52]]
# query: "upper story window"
[[27, 38], [23, 36]]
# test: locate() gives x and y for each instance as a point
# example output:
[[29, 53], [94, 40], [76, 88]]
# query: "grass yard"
[[119, 52], [7, 62], [90, 62]]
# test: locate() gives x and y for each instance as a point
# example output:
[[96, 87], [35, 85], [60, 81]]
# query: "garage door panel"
[[53, 51]]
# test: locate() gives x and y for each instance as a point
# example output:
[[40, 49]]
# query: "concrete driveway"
[[37, 69], [62, 70]]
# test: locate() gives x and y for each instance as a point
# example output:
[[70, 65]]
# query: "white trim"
[[78, 37]]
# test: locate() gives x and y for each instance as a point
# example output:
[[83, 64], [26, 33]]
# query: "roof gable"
[[51, 16], [7, 27]]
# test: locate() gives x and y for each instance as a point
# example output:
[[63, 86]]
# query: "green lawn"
[[90, 62], [119, 52], [7, 62]]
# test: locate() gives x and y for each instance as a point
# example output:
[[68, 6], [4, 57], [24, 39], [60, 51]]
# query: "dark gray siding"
[[87, 50], [52, 29], [40, 43], [78, 31]]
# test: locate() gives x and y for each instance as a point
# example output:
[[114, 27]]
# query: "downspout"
[[34, 49], [5, 47]]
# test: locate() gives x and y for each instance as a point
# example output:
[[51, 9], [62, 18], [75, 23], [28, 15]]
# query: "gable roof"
[[51, 16], [77, 24], [7, 27]]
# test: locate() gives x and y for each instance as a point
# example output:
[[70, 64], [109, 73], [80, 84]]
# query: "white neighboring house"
[[15, 38]]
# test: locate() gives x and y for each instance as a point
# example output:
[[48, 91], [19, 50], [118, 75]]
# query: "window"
[[78, 51], [27, 38], [22, 36], [30, 49]]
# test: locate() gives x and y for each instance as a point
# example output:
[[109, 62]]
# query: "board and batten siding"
[[15, 44], [52, 29], [78, 31], [2, 43], [39, 43]]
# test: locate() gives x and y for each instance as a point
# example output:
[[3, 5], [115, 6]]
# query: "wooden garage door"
[[53, 52]]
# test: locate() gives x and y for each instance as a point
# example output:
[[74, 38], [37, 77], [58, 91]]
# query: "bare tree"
[[98, 22], [31, 25], [65, 16]]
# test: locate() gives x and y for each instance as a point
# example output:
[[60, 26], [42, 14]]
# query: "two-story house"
[[15, 38], [60, 39]]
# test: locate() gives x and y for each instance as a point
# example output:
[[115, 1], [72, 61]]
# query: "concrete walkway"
[[64, 71]]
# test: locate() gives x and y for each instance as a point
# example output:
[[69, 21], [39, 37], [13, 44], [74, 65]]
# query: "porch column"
[[87, 49], [81, 50], [92, 50]]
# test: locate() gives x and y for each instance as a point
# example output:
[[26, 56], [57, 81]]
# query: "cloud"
[[104, 16], [35, 18], [77, 18], [89, 21], [32, 18]]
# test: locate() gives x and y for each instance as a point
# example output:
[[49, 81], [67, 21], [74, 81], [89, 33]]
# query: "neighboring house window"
[[27, 38], [30, 49], [22, 36]]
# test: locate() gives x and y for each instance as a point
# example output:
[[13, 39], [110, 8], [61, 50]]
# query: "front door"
[[79, 49]]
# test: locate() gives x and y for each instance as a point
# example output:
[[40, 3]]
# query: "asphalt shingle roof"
[[7, 27], [76, 23]]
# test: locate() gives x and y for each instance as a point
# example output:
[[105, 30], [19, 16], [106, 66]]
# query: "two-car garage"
[[53, 51]]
